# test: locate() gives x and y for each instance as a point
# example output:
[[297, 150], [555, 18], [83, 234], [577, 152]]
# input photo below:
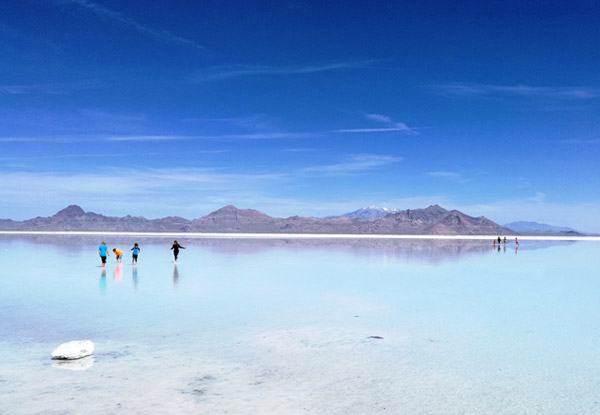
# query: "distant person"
[[499, 240], [517, 241], [119, 254], [176, 248], [135, 251], [505, 240], [103, 252]]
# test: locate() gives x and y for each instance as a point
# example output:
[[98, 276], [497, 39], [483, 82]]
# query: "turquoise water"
[[297, 326]]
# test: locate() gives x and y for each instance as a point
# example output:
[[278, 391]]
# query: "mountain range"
[[539, 228], [433, 220]]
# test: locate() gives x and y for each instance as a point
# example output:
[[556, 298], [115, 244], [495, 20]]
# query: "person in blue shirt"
[[134, 253], [103, 251]]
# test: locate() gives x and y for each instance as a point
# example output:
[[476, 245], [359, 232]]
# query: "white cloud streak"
[[160, 35], [48, 88], [19, 139], [249, 136], [525, 91], [389, 125], [354, 164], [238, 71], [592, 141], [448, 176]]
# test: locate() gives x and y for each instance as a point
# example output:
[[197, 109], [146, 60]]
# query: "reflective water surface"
[[297, 326]]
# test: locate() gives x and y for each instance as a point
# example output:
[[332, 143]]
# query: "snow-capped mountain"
[[371, 212]]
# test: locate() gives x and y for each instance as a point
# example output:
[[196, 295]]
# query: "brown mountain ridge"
[[433, 220]]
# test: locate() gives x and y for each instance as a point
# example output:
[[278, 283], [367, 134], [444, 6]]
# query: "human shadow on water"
[[175, 275], [103, 281], [118, 272], [134, 275]]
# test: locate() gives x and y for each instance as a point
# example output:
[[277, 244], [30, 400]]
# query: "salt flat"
[[326, 326]]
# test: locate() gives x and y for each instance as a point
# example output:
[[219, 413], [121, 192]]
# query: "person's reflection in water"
[[504, 248], [498, 248], [517, 250], [134, 275], [175, 275], [103, 280], [119, 272]]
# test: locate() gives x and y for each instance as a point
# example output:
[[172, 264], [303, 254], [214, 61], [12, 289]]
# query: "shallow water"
[[297, 326]]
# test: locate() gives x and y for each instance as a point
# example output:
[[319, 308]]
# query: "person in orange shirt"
[[118, 254]]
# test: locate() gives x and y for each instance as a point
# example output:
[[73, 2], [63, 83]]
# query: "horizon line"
[[243, 235]]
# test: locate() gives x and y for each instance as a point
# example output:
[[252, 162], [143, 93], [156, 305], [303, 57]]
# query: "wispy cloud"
[[48, 88], [219, 73], [591, 141], [158, 138], [110, 14], [248, 136], [539, 197], [486, 90], [180, 188], [353, 164], [150, 138], [19, 139], [298, 150], [387, 125], [449, 176], [255, 122]]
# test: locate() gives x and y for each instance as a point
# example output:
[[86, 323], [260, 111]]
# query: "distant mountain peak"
[[435, 208], [232, 211], [71, 211], [228, 208]]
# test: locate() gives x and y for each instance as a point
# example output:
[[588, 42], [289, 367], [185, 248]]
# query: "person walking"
[[176, 248], [103, 252], [135, 251]]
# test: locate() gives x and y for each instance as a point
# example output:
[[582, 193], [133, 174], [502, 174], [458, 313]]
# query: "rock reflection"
[[78, 364]]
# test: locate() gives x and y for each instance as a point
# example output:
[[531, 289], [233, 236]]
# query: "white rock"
[[73, 350]]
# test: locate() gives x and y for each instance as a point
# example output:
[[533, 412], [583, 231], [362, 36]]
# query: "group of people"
[[500, 241], [135, 251], [103, 252]]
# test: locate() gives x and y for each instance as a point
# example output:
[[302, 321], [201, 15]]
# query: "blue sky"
[[295, 107]]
